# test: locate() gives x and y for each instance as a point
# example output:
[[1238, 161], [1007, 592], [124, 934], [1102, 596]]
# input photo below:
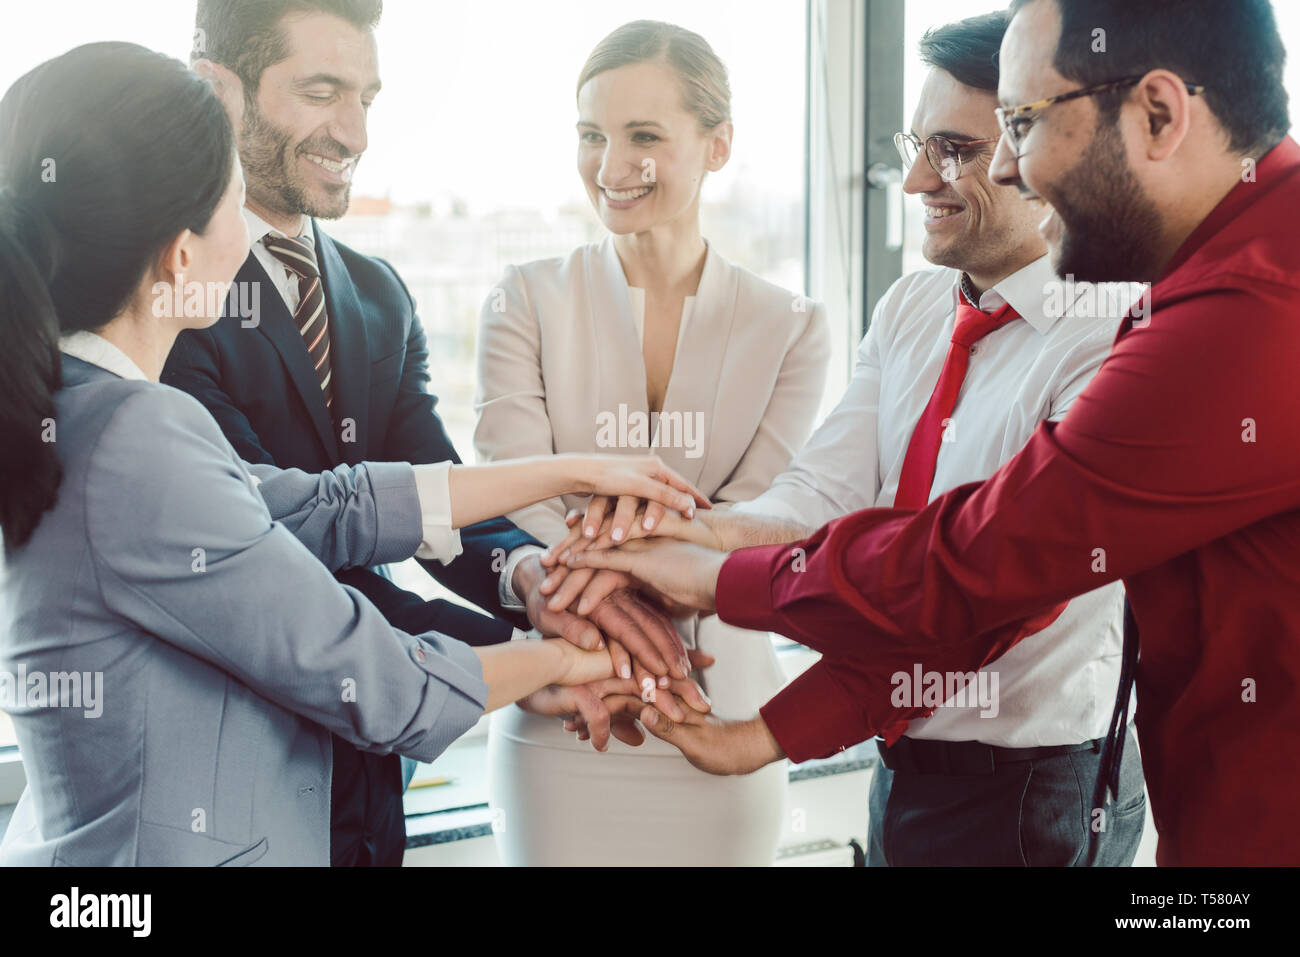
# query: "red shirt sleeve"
[[1186, 433]]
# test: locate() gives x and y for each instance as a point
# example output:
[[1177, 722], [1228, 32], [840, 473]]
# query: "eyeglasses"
[[945, 155], [1017, 120]]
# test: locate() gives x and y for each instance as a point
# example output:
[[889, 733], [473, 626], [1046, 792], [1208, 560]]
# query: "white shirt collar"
[[98, 351], [258, 228], [1026, 290]]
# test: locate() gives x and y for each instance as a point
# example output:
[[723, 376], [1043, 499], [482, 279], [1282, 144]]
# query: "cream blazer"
[[560, 369]]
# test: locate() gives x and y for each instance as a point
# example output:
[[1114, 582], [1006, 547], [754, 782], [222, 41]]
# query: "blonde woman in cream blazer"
[[561, 370], [578, 353]]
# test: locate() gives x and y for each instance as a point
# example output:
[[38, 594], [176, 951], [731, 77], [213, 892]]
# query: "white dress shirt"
[[98, 351], [1056, 687]]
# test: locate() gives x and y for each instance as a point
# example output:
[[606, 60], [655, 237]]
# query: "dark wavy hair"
[[968, 49], [1230, 46], [107, 153], [247, 36]]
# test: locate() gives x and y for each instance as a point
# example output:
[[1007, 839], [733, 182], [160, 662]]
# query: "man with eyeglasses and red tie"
[[959, 365], [1176, 471]]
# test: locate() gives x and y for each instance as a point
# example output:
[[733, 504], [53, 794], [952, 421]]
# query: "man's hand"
[[683, 574], [587, 703], [585, 586], [641, 631], [527, 581], [713, 744], [646, 634], [611, 705]]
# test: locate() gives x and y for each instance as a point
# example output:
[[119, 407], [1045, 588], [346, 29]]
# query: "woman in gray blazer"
[[174, 648]]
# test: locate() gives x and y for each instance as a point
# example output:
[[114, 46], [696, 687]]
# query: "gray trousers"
[[1031, 813]]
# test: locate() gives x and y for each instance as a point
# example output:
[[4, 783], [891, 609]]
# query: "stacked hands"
[[607, 576]]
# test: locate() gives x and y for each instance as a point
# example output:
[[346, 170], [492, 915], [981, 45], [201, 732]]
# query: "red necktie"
[[923, 451]]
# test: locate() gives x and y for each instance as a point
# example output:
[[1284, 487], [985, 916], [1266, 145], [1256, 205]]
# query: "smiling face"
[[641, 154], [984, 230], [1100, 224], [304, 130]]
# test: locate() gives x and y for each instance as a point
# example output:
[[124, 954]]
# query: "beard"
[[1110, 228], [266, 154]]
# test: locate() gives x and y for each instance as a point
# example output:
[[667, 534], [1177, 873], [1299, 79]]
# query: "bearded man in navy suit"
[[331, 367]]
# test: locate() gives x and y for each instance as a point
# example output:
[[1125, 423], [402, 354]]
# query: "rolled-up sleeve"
[[188, 552], [351, 516], [440, 540]]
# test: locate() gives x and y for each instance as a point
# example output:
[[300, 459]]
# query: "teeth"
[[940, 212], [622, 196], [334, 166]]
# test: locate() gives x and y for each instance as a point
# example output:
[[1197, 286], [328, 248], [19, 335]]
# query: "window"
[[471, 157], [471, 164]]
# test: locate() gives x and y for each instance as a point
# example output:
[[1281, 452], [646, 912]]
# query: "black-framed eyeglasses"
[[946, 156], [1017, 120]]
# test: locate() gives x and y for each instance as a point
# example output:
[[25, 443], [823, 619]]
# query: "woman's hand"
[[586, 586], [639, 484], [478, 492], [669, 525], [649, 687], [564, 584], [578, 666], [516, 669]]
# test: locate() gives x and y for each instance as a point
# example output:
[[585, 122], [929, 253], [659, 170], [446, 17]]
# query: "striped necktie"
[[313, 321]]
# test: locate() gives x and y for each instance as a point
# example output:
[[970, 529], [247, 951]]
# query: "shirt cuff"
[[439, 540], [815, 716], [505, 587], [743, 595]]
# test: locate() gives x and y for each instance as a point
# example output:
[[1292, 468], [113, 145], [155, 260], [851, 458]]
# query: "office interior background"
[[470, 168]]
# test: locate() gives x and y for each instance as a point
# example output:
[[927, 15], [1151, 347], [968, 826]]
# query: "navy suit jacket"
[[255, 377]]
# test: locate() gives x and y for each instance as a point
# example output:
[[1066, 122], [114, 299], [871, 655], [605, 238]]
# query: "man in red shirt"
[[1164, 157]]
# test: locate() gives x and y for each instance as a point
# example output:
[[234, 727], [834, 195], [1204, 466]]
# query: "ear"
[[720, 146], [228, 87], [1166, 111], [175, 258]]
